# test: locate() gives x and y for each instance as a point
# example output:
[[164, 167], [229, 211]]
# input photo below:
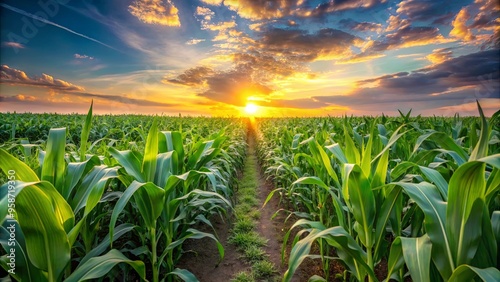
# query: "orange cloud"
[[162, 12], [439, 55], [17, 77], [460, 29]]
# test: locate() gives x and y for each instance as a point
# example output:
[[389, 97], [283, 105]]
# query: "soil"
[[202, 258]]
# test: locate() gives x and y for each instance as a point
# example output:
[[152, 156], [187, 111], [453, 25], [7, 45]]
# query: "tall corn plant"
[[462, 233], [364, 207], [163, 191], [44, 214]]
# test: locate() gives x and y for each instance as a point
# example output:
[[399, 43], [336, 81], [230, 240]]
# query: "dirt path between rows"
[[202, 257]]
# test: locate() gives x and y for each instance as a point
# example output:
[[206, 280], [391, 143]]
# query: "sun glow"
[[251, 108]]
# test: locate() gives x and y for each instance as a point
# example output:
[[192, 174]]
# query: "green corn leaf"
[[184, 274], [131, 162], [74, 173], [172, 141], [85, 133], [481, 148], [22, 171], [166, 164], [351, 152], [429, 200], [350, 252], [319, 153], [366, 157], [466, 273], [149, 202], [54, 165], [417, 255], [362, 201], [487, 251], [97, 267], [445, 142], [99, 249], [148, 168], [390, 202], [438, 180], [396, 259], [337, 153], [42, 214], [467, 187], [23, 268]]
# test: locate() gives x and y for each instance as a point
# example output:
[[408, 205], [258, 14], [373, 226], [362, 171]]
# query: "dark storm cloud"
[[451, 82], [360, 26]]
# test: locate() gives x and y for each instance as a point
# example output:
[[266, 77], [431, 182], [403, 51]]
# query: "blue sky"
[[213, 57]]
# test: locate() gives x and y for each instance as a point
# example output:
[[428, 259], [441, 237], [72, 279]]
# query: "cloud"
[[396, 22], [14, 45], [334, 6], [192, 77], [250, 76], [487, 17], [212, 2], [360, 26], [272, 9], [194, 41], [13, 76], [78, 56], [17, 77], [405, 37], [162, 12], [460, 29], [18, 98], [425, 10], [451, 82], [440, 55], [296, 44], [262, 9]]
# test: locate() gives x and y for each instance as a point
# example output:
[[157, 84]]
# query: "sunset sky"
[[287, 57]]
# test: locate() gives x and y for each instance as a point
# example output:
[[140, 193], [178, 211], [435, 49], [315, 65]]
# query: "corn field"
[[116, 197]]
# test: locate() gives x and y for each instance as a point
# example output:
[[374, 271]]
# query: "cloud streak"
[[24, 13]]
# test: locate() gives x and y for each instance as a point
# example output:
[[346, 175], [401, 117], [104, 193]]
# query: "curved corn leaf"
[[417, 255], [396, 260], [131, 162], [97, 267], [42, 214], [429, 200], [481, 148], [149, 202], [184, 274], [468, 273], [24, 270]]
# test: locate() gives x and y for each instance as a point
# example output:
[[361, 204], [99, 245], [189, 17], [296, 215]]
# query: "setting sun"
[[251, 108]]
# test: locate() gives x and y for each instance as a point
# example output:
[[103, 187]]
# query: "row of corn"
[[388, 197]]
